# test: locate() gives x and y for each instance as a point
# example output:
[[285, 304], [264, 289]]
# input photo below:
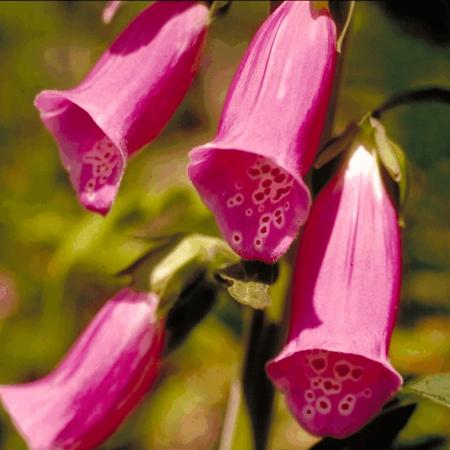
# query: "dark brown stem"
[[432, 94]]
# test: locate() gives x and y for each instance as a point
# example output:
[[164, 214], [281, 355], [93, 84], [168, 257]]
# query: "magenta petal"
[[102, 378], [250, 175], [126, 99], [334, 369]]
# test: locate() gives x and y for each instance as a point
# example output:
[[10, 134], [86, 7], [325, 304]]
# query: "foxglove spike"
[[334, 369]]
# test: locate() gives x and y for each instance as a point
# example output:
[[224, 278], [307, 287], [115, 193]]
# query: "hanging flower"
[[102, 378], [126, 99], [250, 175], [334, 369]]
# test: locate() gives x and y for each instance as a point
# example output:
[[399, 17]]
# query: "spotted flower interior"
[[334, 394], [258, 205], [100, 170]]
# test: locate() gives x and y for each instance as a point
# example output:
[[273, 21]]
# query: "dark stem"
[[433, 94], [258, 390]]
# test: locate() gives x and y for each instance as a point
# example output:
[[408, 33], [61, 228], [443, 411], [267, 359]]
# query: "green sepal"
[[248, 282], [218, 8], [175, 262], [393, 159], [190, 257], [337, 145], [403, 184], [385, 150], [138, 272]]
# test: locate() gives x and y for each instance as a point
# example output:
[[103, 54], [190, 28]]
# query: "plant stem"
[[432, 94], [229, 425]]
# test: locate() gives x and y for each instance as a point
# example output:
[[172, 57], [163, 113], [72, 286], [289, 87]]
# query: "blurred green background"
[[57, 261]]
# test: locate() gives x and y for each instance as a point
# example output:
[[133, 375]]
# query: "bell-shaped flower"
[[126, 99], [250, 175], [102, 378], [334, 369]]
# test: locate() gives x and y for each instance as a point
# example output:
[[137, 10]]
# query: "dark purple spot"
[[357, 373], [277, 213], [265, 219], [280, 178], [279, 220], [259, 196], [323, 404], [266, 183], [345, 406], [328, 384], [263, 229], [253, 172], [265, 168], [275, 171], [342, 369], [318, 363], [267, 191]]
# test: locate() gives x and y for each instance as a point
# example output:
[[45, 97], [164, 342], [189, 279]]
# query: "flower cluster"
[[334, 369]]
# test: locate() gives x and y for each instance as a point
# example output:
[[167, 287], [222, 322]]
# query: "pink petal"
[[334, 369], [102, 378], [110, 10], [126, 99], [272, 117]]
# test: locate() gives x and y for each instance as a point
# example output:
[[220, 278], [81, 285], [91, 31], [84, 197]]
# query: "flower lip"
[[259, 206], [333, 393], [93, 159]]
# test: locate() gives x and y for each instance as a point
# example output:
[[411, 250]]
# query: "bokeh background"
[[57, 261]]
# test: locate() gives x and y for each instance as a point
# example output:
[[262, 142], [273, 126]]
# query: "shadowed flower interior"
[[258, 205], [334, 393]]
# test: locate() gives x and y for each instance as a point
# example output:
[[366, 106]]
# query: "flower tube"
[[102, 378], [126, 99], [334, 368], [250, 175]]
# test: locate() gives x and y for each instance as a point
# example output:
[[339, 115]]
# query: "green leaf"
[[434, 387], [248, 282], [386, 151]]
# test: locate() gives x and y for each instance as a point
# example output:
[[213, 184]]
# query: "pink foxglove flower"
[[102, 378], [334, 369], [126, 99], [250, 175]]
